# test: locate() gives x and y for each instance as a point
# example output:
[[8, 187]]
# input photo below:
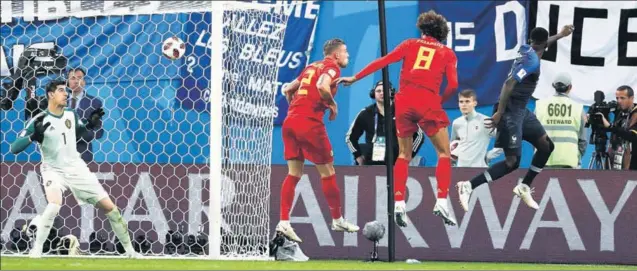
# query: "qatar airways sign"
[[584, 216]]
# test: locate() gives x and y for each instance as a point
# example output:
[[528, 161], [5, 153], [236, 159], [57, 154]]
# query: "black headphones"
[[392, 90]]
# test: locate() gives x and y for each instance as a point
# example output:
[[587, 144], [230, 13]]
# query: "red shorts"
[[305, 138], [424, 110]]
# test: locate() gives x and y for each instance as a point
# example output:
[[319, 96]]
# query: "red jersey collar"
[[429, 38]]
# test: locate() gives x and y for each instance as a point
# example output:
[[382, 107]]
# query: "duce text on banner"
[[601, 54]]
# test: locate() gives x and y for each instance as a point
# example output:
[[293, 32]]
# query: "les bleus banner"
[[255, 49], [115, 48]]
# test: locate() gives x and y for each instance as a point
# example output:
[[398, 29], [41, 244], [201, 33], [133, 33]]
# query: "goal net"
[[185, 146]]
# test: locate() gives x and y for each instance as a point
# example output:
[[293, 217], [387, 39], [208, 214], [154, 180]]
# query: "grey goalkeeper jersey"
[[59, 147]]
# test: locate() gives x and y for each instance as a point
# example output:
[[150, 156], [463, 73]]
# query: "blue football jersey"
[[526, 71]]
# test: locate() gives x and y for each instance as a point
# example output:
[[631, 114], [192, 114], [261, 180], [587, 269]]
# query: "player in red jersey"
[[305, 137], [418, 103]]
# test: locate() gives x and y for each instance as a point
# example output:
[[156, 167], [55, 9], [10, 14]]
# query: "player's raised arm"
[[394, 56], [566, 31], [290, 89], [451, 71], [33, 132]]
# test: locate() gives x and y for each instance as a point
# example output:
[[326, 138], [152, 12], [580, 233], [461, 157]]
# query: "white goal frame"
[[216, 98]]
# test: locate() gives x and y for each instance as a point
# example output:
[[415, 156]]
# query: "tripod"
[[600, 161]]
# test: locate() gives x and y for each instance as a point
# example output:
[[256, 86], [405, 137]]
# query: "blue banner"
[[157, 107], [485, 36], [251, 53]]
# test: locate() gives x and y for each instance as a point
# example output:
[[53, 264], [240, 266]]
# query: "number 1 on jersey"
[[307, 79], [424, 58]]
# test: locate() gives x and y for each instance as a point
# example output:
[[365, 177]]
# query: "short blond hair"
[[331, 45]]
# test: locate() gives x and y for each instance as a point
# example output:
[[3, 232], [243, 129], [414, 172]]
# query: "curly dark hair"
[[433, 24]]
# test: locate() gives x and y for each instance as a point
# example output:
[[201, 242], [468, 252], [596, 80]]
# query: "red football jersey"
[[425, 61], [307, 101]]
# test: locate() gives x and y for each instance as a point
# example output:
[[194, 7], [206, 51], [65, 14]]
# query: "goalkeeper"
[[55, 131]]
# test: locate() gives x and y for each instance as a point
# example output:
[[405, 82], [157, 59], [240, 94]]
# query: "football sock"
[[537, 164], [495, 172], [443, 176], [401, 172], [45, 223], [287, 196], [332, 195], [120, 227]]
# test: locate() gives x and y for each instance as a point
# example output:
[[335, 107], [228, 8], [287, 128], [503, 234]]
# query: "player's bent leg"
[[544, 146], [333, 196], [401, 173], [119, 226], [295, 171], [54, 190], [440, 140], [495, 172]]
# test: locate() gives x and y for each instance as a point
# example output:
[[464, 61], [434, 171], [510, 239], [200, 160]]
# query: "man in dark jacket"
[[371, 121], [83, 104]]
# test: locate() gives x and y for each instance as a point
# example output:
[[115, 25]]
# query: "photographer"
[[371, 121], [623, 130]]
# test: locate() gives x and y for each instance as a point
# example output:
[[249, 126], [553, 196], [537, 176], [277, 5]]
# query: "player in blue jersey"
[[516, 123]]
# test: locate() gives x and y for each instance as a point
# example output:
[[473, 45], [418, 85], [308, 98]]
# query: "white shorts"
[[80, 180]]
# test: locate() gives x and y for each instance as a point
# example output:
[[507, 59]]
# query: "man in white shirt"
[[469, 137]]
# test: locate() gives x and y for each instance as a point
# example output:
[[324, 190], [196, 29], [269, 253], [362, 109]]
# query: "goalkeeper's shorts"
[[81, 181]]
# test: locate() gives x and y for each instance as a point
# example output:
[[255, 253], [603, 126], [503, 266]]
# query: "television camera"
[[599, 137], [37, 61]]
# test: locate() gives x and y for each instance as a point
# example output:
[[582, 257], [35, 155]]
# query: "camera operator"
[[371, 121], [623, 130]]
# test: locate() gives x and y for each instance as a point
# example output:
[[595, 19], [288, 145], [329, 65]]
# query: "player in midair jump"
[[418, 103], [305, 136], [516, 123], [55, 131]]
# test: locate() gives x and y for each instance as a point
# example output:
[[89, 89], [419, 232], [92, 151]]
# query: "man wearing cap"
[[564, 120]]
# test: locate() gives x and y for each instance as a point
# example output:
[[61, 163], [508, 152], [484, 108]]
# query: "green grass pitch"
[[22, 263]]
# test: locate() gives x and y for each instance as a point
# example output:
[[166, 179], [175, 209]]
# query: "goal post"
[[216, 125], [177, 134]]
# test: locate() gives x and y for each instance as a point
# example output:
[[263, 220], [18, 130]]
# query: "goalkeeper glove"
[[95, 119], [38, 129]]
